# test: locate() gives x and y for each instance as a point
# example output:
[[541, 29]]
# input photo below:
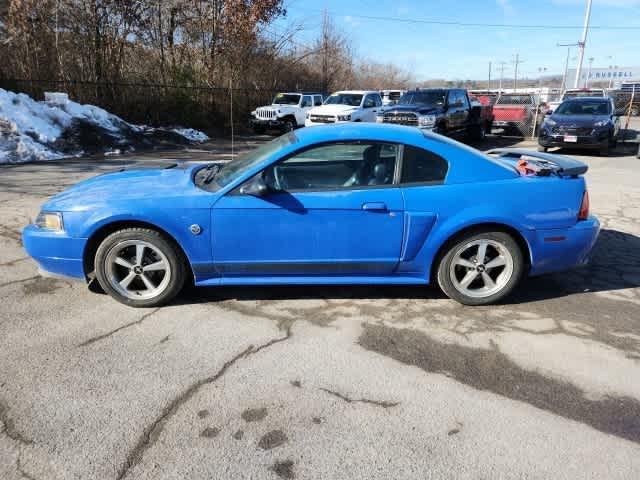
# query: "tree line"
[[189, 62]]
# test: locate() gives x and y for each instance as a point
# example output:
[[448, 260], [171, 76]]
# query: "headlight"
[[601, 123], [550, 122], [50, 221], [344, 118], [379, 118], [426, 120], [308, 115]]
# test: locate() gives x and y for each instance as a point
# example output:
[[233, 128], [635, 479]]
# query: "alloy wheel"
[[137, 269], [481, 268]]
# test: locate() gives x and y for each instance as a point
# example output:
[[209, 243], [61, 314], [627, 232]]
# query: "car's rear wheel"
[[480, 268], [140, 267]]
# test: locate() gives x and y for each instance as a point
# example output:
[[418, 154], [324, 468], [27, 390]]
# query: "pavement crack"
[[112, 332], [21, 470], [13, 282], [152, 433], [378, 403], [9, 427], [10, 263]]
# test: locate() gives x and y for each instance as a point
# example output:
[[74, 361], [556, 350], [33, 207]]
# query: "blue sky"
[[464, 52]]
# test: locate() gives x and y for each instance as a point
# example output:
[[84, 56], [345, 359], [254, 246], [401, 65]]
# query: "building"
[[614, 76]]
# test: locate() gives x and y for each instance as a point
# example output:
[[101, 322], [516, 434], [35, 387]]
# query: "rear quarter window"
[[422, 167]]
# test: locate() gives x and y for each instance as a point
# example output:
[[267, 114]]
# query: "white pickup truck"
[[346, 106], [286, 112]]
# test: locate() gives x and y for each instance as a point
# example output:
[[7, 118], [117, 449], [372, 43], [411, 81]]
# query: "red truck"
[[516, 113]]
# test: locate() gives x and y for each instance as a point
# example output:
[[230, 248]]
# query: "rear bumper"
[[55, 252], [510, 123], [560, 249]]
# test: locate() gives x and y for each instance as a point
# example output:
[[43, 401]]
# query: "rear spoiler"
[[539, 163]]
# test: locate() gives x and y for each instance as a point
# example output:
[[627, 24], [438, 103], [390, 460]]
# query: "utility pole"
[[516, 62], [566, 63], [502, 64], [586, 82], [489, 83], [582, 43]]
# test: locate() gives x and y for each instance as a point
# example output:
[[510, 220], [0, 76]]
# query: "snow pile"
[[191, 134], [32, 130]]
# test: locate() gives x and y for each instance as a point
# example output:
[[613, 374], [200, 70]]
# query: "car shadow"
[[615, 265]]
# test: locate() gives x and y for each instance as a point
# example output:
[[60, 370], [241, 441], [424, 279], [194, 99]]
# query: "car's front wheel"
[[140, 267], [480, 268]]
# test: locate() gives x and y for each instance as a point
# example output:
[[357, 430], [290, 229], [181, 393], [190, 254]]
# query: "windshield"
[[236, 167], [352, 99], [286, 99], [514, 100], [582, 107], [433, 97]]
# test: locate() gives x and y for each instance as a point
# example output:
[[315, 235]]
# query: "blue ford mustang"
[[343, 204]]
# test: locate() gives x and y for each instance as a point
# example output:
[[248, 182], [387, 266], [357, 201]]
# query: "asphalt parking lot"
[[322, 382]]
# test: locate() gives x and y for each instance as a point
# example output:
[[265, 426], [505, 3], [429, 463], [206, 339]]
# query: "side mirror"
[[255, 187]]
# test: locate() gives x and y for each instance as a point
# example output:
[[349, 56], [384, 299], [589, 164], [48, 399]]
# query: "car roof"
[[359, 131], [363, 92], [584, 99]]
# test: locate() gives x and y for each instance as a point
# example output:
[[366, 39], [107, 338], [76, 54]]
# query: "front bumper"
[[55, 252], [560, 249], [271, 123], [595, 140]]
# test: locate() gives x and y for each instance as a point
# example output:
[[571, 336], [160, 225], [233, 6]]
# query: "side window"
[[369, 101], [306, 101], [421, 166], [378, 101], [463, 99], [451, 98], [335, 166], [317, 100]]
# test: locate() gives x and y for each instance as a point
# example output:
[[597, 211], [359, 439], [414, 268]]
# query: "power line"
[[473, 24]]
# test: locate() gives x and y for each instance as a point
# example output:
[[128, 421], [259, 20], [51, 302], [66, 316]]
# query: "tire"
[[543, 149], [119, 260], [604, 150], [635, 111], [289, 126], [478, 132], [499, 247]]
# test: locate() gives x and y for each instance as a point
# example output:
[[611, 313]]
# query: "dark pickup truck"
[[447, 111]]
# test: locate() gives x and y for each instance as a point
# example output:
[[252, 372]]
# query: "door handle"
[[374, 206]]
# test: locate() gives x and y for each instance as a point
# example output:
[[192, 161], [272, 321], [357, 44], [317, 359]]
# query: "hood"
[[332, 110], [422, 109], [578, 120], [122, 186]]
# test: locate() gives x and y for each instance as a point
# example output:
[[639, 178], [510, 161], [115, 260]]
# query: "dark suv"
[[447, 111], [581, 122]]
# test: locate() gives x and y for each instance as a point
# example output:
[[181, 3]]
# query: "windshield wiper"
[[211, 174]]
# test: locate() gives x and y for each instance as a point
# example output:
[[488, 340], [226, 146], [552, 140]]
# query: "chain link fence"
[[202, 107], [518, 114]]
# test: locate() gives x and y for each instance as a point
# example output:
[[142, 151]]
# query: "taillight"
[[583, 214]]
